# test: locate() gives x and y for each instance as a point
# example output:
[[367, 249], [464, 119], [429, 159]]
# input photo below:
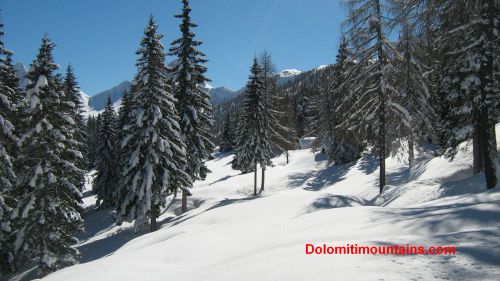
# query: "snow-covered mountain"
[[287, 75]]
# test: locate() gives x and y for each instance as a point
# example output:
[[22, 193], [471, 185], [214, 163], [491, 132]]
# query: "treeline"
[[437, 84], [155, 147]]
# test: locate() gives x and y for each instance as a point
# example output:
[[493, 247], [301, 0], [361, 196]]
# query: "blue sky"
[[100, 37]]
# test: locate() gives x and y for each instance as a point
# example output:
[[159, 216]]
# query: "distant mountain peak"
[[289, 72]]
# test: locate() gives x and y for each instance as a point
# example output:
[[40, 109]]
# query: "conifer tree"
[[7, 116], [370, 84], [282, 136], [156, 165], [414, 93], [193, 100], [301, 114], [76, 128], [47, 215], [92, 141], [339, 145], [8, 92], [122, 155], [240, 160], [105, 182], [255, 148], [227, 142], [469, 34]]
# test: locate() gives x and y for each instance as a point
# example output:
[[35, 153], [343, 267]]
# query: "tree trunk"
[[184, 202], [381, 144], [488, 93], [153, 222], [263, 178], [411, 155], [489, 152], [287, 161], [381, 133], [255, 182], [477, 154]]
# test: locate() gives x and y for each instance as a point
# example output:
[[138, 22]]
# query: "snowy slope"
[[230, 235]]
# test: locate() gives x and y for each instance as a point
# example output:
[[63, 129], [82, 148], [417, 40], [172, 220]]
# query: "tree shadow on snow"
[[228, 201], [369, 163], [100, 221], [456, 214], [336, 201], [221, 180], [317, 180]]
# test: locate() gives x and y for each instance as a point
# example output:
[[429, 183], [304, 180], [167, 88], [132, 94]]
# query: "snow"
[[230, 235], [321, 67], [289, 72]]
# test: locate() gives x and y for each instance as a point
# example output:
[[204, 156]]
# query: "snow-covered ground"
[[228, 234]]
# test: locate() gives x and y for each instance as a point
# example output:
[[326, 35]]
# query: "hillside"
[[230, 235]]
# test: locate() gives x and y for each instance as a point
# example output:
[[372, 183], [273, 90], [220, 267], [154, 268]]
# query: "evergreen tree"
[[76, 128], [193, 99], [286, 120], [227, 142], [255, 148], [91, 141], [122, 155], [414, 93], [8, 91], [105, 182], [301, 114], [156, 163], [339, 145], [469, 34], [7, 116], [240, 161], [48, 212], [282, 136], [370, 88]]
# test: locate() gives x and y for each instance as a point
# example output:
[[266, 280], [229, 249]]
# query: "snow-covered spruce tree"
[[47, 215], [7, 117], [282, 135], [301, 114], [92, 136], [240, 160], [285, 105], [227, 141], [8, 92], [256, 147], [460, 116], [122, 155], [340, 145], [468, 37], [105, 182], [193, 100], [488, 37], [156, 164], [413, 90], [372, 108], [77, 151]]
